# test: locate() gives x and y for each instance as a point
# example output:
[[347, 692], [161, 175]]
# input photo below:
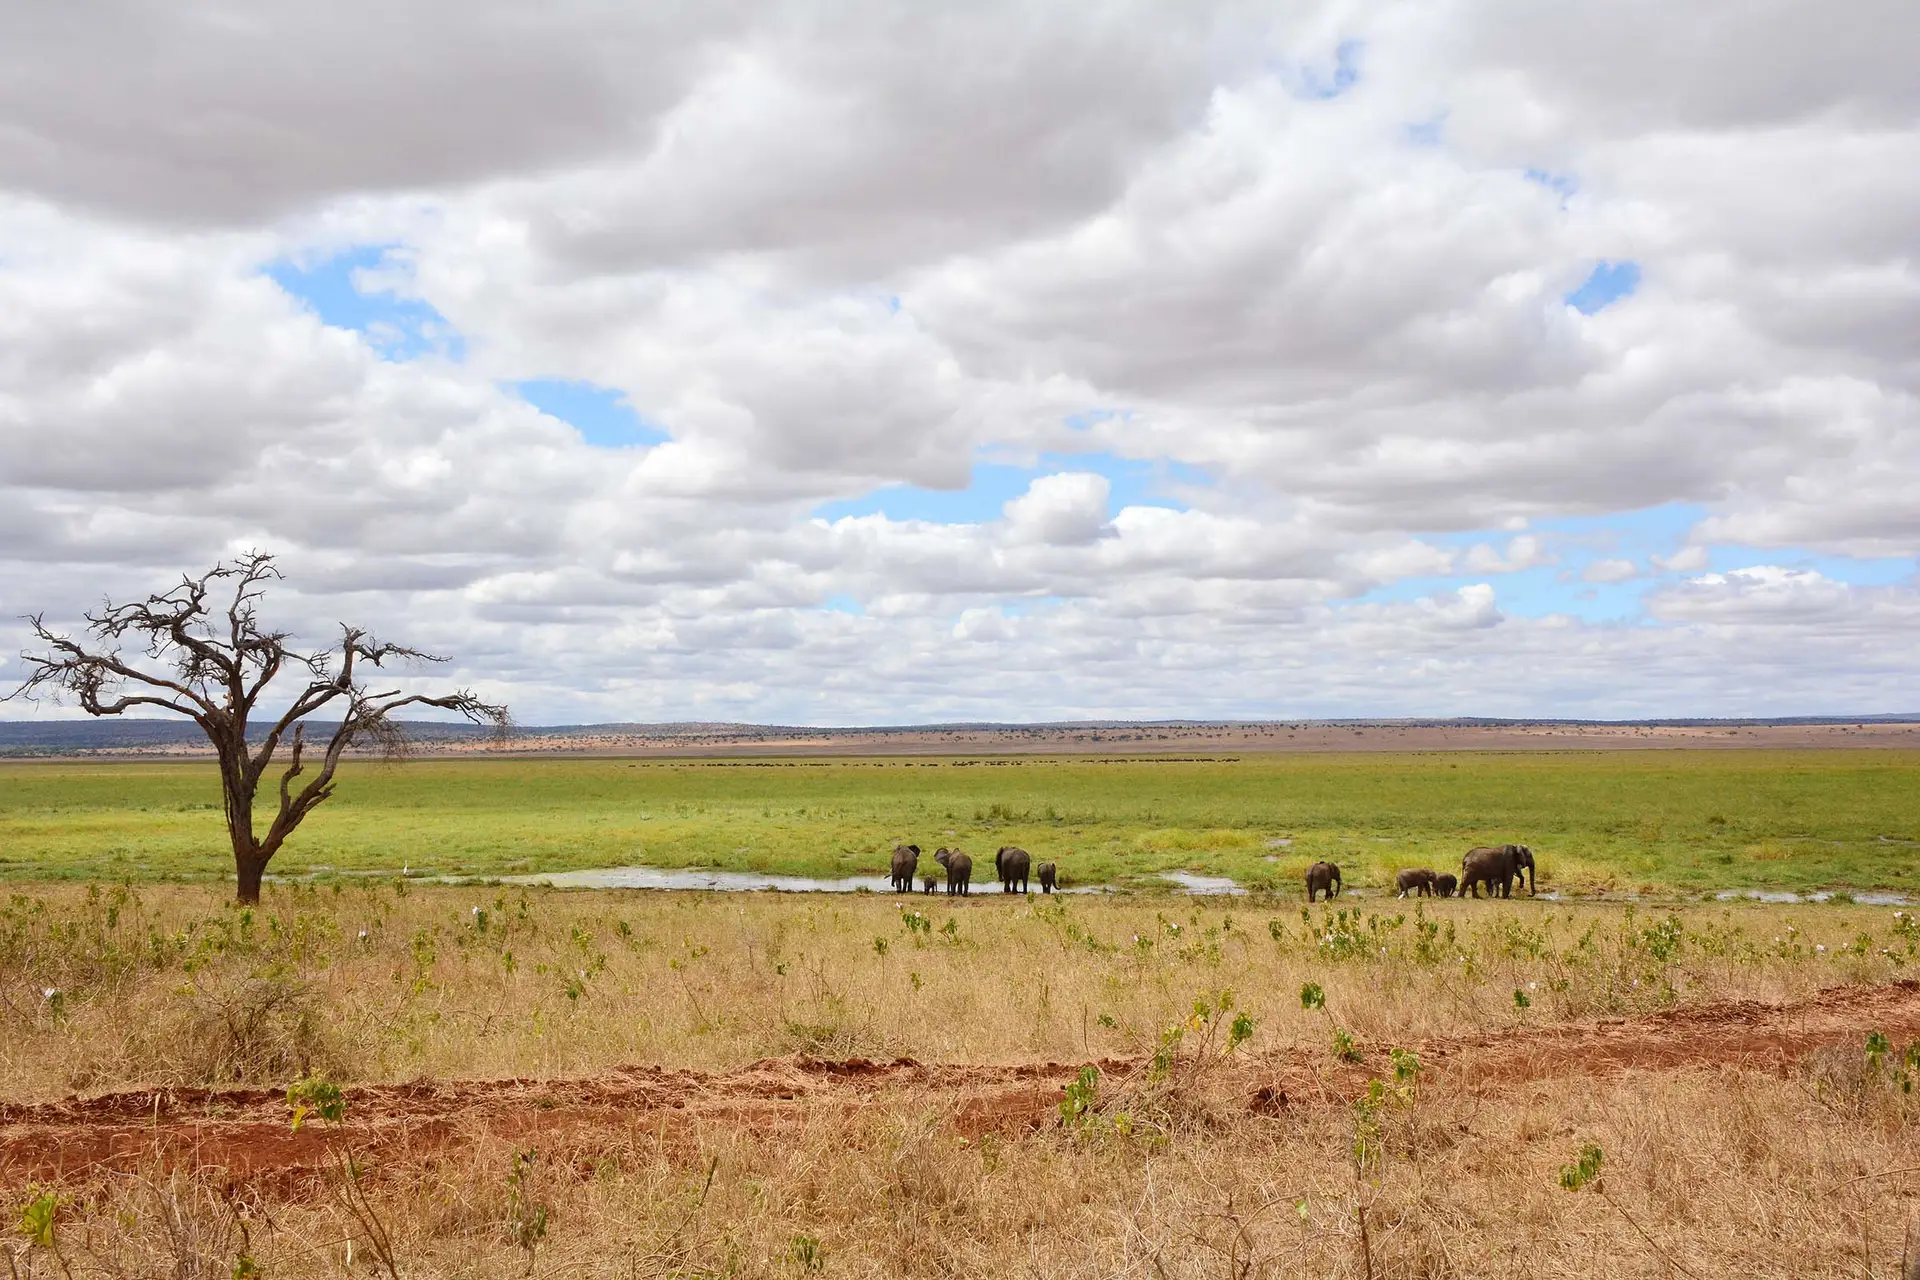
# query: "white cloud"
[[1609, 569], [1524, 552], [1689, 559], [1068, 509], [836, 251]]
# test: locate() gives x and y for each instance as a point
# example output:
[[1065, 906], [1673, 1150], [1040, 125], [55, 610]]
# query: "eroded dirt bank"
[[247, 1131]]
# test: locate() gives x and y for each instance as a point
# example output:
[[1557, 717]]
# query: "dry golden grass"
[[1726, 1173], [174, 986], [1712, 1169]]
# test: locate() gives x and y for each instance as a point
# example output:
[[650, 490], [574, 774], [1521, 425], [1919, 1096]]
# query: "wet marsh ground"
[[1619, 822]]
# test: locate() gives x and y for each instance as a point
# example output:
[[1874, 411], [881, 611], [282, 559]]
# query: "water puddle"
[[1866, 899], [1202, 885], [702, 881], [696, 879]]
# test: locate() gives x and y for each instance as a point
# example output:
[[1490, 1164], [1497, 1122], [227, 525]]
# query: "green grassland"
[[1621, 821]]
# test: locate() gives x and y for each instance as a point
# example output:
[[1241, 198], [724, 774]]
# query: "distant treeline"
[[60, 737]]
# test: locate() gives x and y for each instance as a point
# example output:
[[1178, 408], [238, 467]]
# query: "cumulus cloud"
[[1069, 509], [1523, 552], [832, 252], [1609, 569], [1690, 559]]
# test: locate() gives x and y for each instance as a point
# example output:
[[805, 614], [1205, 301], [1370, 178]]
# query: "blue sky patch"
[[993, 485], [1606, 284], [1323, 83], [1562, 184], [1637, 536], [336, 290], [1427, 133], [600, 414]]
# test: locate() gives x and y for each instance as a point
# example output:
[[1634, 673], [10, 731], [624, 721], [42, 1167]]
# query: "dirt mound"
[[247, 1131]]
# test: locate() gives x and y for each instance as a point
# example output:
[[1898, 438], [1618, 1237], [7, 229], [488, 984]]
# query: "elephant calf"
[[1418, 881], [927, 883], [1047, 876], [959, 870], [1323, 877], [1445, 883]]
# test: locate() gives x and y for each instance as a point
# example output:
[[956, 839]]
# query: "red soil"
[[247, 1132]]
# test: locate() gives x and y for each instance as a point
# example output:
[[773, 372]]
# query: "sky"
[[867, 363]]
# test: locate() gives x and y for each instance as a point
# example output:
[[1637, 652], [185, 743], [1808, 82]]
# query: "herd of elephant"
[[1495, 866], [1010, 865]]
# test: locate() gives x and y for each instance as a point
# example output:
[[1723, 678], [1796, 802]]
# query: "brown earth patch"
[[247, 1133]]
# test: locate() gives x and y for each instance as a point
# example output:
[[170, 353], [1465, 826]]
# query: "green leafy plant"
[[526, 1220], [316, 1096], [1585, 1172], [37, 1219], [1313, 997], [1076, 1109], [805, 1253]]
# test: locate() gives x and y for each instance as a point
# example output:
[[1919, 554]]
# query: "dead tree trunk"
[[213, 665]]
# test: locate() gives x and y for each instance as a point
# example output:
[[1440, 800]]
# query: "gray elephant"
[[1323, 877], [1493, 865], [1418, 881], [906, 859], [959, 870], [1047, 876], [1010, 864], [1445, 883], [928, 882]]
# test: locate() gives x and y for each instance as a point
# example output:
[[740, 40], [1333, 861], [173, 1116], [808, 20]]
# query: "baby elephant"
[[927, 883], [1445, 883], [1047, 876], [1418, 881], [1323, 877]]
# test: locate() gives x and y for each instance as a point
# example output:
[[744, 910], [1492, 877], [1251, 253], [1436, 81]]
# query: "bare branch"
[[213, 664], [94, 679]]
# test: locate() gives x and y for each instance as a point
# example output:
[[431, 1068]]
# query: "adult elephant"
[[1323, 878], [1495, 865], [959, 870], [1011, 865], [906, 860], [1418, 881]]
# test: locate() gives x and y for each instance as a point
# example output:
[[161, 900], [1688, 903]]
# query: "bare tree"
[[212, 665]]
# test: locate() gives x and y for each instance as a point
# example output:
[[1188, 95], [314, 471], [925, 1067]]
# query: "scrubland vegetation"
[[1652, 822], [1385, 1088], [117, 988]]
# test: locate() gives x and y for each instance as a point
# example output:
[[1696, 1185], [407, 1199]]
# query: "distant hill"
[[113, 735]]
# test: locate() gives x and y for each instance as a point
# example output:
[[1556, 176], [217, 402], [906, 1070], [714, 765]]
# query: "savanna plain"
[[378, 1074]]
